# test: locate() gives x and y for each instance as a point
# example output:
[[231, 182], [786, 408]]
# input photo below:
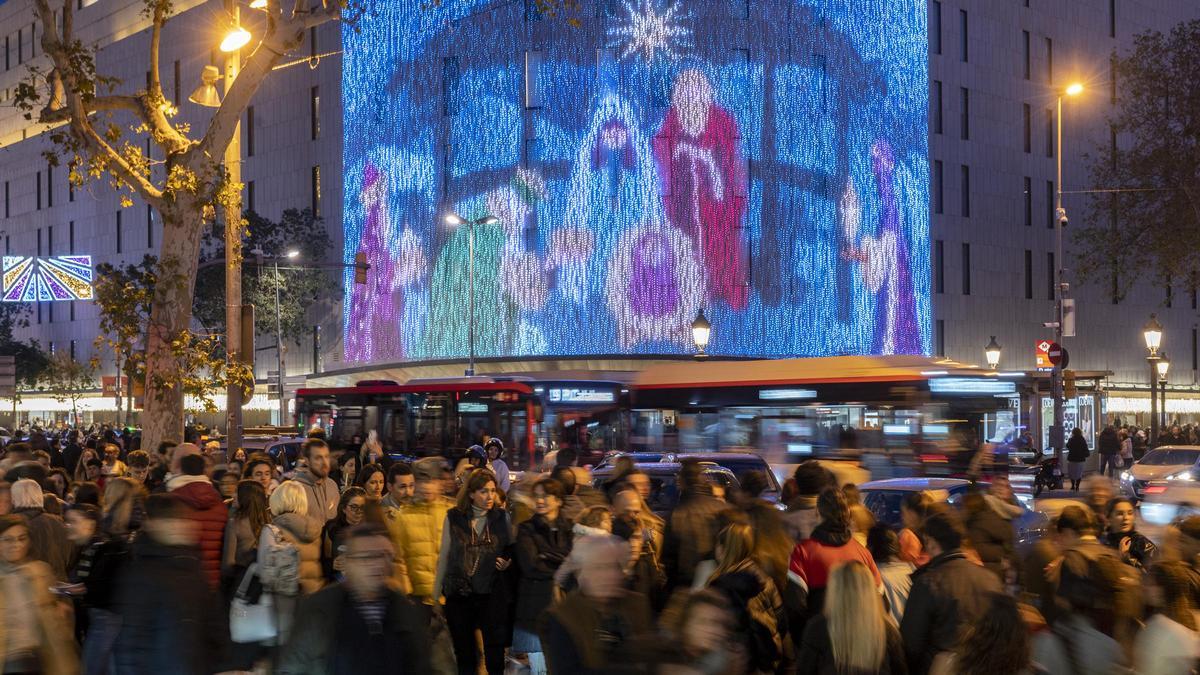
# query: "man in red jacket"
[[205, 509]]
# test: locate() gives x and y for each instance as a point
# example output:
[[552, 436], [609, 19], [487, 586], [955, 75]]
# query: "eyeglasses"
[[372, 556], [357, 508], [21, 539]]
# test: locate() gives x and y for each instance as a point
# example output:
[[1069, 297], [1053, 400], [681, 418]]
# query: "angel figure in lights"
[[652, 288], [372, 333], [702, 167], [883, 259]]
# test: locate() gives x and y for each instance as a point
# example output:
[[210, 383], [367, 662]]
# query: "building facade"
[[599, 141]]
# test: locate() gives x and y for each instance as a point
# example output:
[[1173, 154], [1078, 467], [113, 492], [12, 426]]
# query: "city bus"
[[444, 417]]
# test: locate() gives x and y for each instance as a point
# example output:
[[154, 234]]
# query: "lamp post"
[[701, 332], [1164, 365], [1152, 332], [992, 353], [457, 220], [1060, 220], [290, 255]]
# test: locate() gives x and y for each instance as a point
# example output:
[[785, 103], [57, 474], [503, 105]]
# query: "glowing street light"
[[992, 352], [701, 332], [235, 39], [455, 220]]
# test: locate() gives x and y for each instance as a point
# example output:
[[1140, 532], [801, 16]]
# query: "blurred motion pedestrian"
[[997, 642], [33, 634], [896, 573], [691, 531], [47, 535]]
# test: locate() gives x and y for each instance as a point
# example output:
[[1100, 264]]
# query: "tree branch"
[[101, 103]]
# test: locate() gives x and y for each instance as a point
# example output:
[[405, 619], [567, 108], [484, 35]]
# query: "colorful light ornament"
[[650, 33], [30, 279]]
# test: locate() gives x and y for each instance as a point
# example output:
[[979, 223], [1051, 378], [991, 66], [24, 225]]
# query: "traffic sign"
[[1056, 354], [1041, 352]]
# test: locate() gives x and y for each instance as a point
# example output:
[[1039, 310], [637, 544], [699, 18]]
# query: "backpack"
[[278, 562]]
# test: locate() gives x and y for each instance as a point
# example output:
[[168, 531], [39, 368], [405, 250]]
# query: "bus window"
[[395, 430], [427, 423], [348, 426]]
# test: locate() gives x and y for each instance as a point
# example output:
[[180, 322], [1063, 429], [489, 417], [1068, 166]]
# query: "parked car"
[[664, 486], [883, 499], [737, 462], [611, 458], [1168, 463], [282, 449]]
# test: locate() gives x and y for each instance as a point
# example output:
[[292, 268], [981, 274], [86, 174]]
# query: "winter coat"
[[416, 531], [468, 559], [330, 636], [305, 535], [322, 496], [241, 546], [1077, 449], [55, 644], [568, 633], [690, 537], [810, 564], [210, 515], [1142, 551], [991, 537], [48, 540], [169, 622], [540, 551], [748, 587], [948, 594], [1108, 443], [816, 652]]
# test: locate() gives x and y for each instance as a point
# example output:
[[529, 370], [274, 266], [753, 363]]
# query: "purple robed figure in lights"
[[884, 259]]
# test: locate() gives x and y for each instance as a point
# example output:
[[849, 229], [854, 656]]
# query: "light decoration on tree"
[[30, 279], [661, 157]]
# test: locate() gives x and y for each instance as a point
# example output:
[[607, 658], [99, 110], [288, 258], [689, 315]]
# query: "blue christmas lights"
[[765, 160]]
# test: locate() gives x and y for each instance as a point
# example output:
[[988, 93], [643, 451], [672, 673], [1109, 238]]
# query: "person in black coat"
[[543, 543], [168, 622], [990, 534], [1077, 454]]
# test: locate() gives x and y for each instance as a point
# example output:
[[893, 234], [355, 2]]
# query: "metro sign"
[[1041, 352]]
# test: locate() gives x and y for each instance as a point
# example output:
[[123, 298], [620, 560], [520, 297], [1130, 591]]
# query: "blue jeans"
[[103, 628]]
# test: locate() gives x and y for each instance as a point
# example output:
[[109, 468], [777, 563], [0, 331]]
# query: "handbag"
[[252, 619]]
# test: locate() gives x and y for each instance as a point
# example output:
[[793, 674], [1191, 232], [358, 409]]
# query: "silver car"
[[1168, 463]]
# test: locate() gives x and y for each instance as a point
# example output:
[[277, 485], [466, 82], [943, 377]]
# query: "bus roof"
[[416, 386], [831, 369]]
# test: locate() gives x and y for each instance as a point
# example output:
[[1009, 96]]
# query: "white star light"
[[650, 32]]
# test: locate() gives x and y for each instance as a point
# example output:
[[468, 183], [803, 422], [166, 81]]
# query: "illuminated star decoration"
[[650, 32], [28, 279]]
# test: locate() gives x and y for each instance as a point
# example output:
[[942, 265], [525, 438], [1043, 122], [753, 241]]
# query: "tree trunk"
[[169, 317]]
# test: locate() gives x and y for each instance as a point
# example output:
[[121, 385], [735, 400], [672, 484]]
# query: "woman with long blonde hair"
[[740, 578], [852, 634]]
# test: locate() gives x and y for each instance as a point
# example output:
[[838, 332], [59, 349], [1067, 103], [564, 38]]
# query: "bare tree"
[[191, 183]]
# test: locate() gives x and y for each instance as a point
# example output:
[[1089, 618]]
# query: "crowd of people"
[[184, 560]]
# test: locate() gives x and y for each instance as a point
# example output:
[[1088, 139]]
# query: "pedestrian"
[[97, 561], [815, 557], [495, 452], [948, 593], [363, 624], [914, 508], [34, 638], [808, 480], [371, 451], [594, 521], [896, 573], [475, 551], [1077, 454], [1108, 444], [851, 634], [416, 528], [998, 642], [47, 535], [401, 486], [861, 518], [1134, 547], [1126, 449], [740, 578], [1169, 643], [250, 512], [543, 543], [1097, 492], [691, 531], [260, 469], [320, 490], [598, 627], [772, 546], [708, 637], [990, 534], [372, 479], [139, 466], [351, 508], [168, 619], [290, 521], [206, 509], [633, 522]]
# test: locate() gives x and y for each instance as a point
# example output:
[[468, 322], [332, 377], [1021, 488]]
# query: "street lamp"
[[235, 39], [992, 352], [1164, 365], [457, 221], [290, 255], [1153, 333], [1060, 220], [701, 332]]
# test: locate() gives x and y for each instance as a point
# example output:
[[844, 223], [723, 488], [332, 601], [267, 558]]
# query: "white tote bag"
[[252, 622]]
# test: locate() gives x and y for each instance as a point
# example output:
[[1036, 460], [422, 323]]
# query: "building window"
[[966, 269], [250, 196], [1050, 276], [1049, 132], [314, 112], [149, 226], [316, 190], [1025, 51], [965, 105], [118, 231], [49, 186], [1050, 204], [178, 85], [39, 190], [1112, 79], [1028, 201], [7, 53], [962, 40], [1028, 274], [939, 266], [1170, 293], [1026, 115], [73, 352], [20, 46], [39, 242], [51, 343], [937, 106], [1112, 32], [939, 205], [71, 237], [935, 26], [6, 247], [312, 41], [1049, 60], [250, 131], [966, 191], [70, 188], [941, 337], [50, 240]]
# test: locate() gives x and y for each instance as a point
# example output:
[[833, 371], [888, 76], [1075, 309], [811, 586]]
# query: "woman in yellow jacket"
[[34, 636]]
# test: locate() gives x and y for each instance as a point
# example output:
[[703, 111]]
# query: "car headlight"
[[1126, 476], [1182, 475]]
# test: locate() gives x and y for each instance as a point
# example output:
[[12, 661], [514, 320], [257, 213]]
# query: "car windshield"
[[1170, 457], [740, 465]]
